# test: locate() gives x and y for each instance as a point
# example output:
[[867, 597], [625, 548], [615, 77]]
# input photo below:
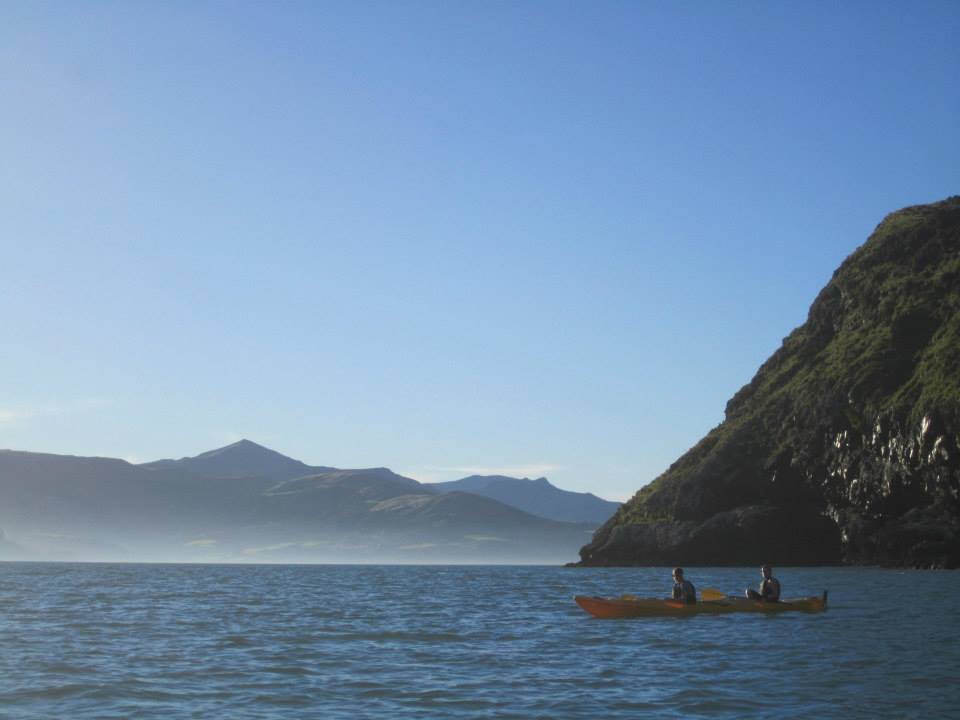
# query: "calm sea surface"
[[194, 641]]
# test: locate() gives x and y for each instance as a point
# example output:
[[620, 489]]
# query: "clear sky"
[[533, 238]]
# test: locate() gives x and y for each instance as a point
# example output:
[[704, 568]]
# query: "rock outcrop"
[[845, 446]]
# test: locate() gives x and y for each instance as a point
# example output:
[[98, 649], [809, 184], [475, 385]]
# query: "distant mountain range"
[[537, 497], [245, 502]]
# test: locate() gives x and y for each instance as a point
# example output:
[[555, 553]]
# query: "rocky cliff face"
[[845, 446]]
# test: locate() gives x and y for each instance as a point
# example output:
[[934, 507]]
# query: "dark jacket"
[[770, 589], [685, 592]]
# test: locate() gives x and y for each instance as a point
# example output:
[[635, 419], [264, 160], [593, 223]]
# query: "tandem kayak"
[[630, 607]]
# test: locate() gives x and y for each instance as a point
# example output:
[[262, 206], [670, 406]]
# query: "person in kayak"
[[769, 588], [683, 590]]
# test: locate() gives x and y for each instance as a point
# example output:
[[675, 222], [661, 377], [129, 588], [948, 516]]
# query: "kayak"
[[631, 607]]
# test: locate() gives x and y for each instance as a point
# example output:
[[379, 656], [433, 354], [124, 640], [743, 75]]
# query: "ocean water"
[[231, 641]]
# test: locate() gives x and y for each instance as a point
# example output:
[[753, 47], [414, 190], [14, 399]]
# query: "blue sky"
[[529, 237]]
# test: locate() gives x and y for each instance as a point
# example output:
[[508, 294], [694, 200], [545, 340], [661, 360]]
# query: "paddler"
[[769, 587], [683, 590]]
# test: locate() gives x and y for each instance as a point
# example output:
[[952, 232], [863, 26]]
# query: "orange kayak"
[[630, 607]]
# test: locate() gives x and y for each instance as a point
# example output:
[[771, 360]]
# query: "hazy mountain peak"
[[244, 443], [245, 447], [243, 458]]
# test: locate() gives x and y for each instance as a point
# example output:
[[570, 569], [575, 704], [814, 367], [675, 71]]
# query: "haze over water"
[[202, 641]]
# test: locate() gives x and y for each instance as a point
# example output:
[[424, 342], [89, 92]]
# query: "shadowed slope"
[[537, 497]]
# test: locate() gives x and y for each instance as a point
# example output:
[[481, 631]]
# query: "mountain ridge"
[[538, 497], [279, 510]]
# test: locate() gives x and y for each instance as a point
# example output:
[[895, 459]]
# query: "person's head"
[[678, 574], [766, 571]]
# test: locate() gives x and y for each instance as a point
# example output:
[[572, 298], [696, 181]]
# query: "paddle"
[[710, 594]]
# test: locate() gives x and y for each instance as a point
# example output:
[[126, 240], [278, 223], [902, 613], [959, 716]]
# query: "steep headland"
[[845, 446]]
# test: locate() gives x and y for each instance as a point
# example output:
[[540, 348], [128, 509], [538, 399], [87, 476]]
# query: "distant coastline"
[[248, 503]]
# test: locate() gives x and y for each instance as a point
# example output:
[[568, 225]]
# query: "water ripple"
[[351, 642]]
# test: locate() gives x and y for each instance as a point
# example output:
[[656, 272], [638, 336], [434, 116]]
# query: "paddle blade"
[[712, 594]]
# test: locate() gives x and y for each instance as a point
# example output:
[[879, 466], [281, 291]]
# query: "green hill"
[[845, 446]]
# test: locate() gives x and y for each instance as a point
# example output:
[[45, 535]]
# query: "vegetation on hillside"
[[875, 369]]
